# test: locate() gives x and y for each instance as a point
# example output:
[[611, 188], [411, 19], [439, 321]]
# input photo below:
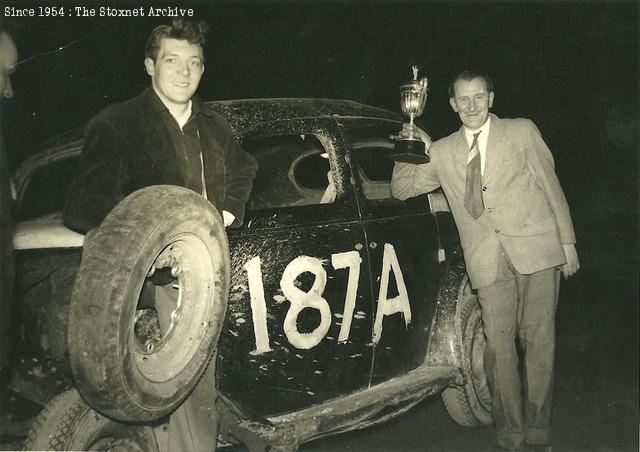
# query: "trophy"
[[413, 96]]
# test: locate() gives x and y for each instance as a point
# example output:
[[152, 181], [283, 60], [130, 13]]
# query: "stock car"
[[337, 307]]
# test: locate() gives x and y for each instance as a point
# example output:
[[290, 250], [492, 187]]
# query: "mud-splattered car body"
[[342, 309]]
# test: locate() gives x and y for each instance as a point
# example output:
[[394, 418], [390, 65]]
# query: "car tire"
[[470, 405], [148, 303], [69, 423]]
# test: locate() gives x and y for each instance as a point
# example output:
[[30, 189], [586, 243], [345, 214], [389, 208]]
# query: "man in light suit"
[[517, 235]]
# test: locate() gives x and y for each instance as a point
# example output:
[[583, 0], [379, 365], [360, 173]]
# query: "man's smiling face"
[[176, 72], [472, 101]]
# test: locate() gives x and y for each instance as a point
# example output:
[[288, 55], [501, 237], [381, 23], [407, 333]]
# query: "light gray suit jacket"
[[525, 209]]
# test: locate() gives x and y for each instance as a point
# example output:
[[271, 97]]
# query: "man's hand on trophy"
[[412, 132]]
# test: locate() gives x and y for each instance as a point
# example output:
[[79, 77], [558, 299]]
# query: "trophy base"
[[410, 151]]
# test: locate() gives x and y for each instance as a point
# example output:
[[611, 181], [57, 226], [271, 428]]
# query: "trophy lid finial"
[[415, 69]]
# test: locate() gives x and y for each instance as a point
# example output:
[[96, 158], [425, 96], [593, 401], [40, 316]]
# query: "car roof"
[[257, 111], [241, 114]]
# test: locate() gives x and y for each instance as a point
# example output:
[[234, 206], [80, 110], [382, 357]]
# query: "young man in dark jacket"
[[165, 136]]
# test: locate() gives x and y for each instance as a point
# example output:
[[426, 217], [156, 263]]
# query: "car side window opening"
[[293, 170], [45, 191], [374, 168]]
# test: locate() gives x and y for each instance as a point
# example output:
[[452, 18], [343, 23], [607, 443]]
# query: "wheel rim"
[[169, 331]]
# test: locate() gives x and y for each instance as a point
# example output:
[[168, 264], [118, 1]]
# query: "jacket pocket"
[[537, 228]]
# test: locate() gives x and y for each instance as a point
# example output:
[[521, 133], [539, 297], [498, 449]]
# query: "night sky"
[[567, 65], [570, 66]]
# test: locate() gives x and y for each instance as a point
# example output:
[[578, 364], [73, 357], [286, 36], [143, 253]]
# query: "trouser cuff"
[[538, 435], [511, 439]]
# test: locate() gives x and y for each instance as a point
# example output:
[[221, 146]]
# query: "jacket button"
[[484, 188], [489, 209], [497, 231]]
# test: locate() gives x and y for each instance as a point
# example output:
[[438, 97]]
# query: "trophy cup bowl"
[[413, 97]]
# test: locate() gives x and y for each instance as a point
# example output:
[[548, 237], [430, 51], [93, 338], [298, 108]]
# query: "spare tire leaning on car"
[[148, 303]]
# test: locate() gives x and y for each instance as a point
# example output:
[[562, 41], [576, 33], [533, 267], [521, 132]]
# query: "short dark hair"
[[184, 30], [470, 74]]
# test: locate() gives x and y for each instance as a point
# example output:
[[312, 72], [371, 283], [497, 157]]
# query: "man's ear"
[[452, 101], [149, 66], [491, 99]]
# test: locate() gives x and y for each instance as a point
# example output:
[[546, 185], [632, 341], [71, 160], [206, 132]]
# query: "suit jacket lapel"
[[495, 148], [212, 156], [161, 151], [461, 147], [156, 142]]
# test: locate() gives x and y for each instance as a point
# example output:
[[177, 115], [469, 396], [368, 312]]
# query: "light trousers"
[[521, 306]]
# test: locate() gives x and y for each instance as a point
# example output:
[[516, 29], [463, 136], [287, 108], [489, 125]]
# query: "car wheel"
[[68, 423], [470, 405], [148, 303]]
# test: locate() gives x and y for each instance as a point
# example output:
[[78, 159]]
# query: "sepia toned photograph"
[[319, 225]]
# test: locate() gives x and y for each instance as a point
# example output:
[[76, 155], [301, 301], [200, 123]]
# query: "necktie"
[[473, 187]]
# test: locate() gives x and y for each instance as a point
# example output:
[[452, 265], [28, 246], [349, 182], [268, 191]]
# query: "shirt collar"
[[199, 108], [468, 133]]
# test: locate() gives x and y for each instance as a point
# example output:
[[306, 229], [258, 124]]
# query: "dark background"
[[572, 67]]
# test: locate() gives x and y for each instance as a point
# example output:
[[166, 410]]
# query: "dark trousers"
[[522, 306], [193, 426]]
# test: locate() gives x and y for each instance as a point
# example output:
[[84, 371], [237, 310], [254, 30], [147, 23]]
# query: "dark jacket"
[[127, 147]]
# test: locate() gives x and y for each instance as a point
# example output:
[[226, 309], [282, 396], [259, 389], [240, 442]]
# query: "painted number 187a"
[[313, 298]]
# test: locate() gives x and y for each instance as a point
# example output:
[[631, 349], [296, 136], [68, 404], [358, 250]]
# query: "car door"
[[298, 328], [403, 249], [47, 257]]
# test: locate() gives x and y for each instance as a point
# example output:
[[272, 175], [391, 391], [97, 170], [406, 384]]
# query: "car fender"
[[444, 347]]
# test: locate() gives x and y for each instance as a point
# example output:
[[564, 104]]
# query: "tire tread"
[[136, 218], [55, 422]]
